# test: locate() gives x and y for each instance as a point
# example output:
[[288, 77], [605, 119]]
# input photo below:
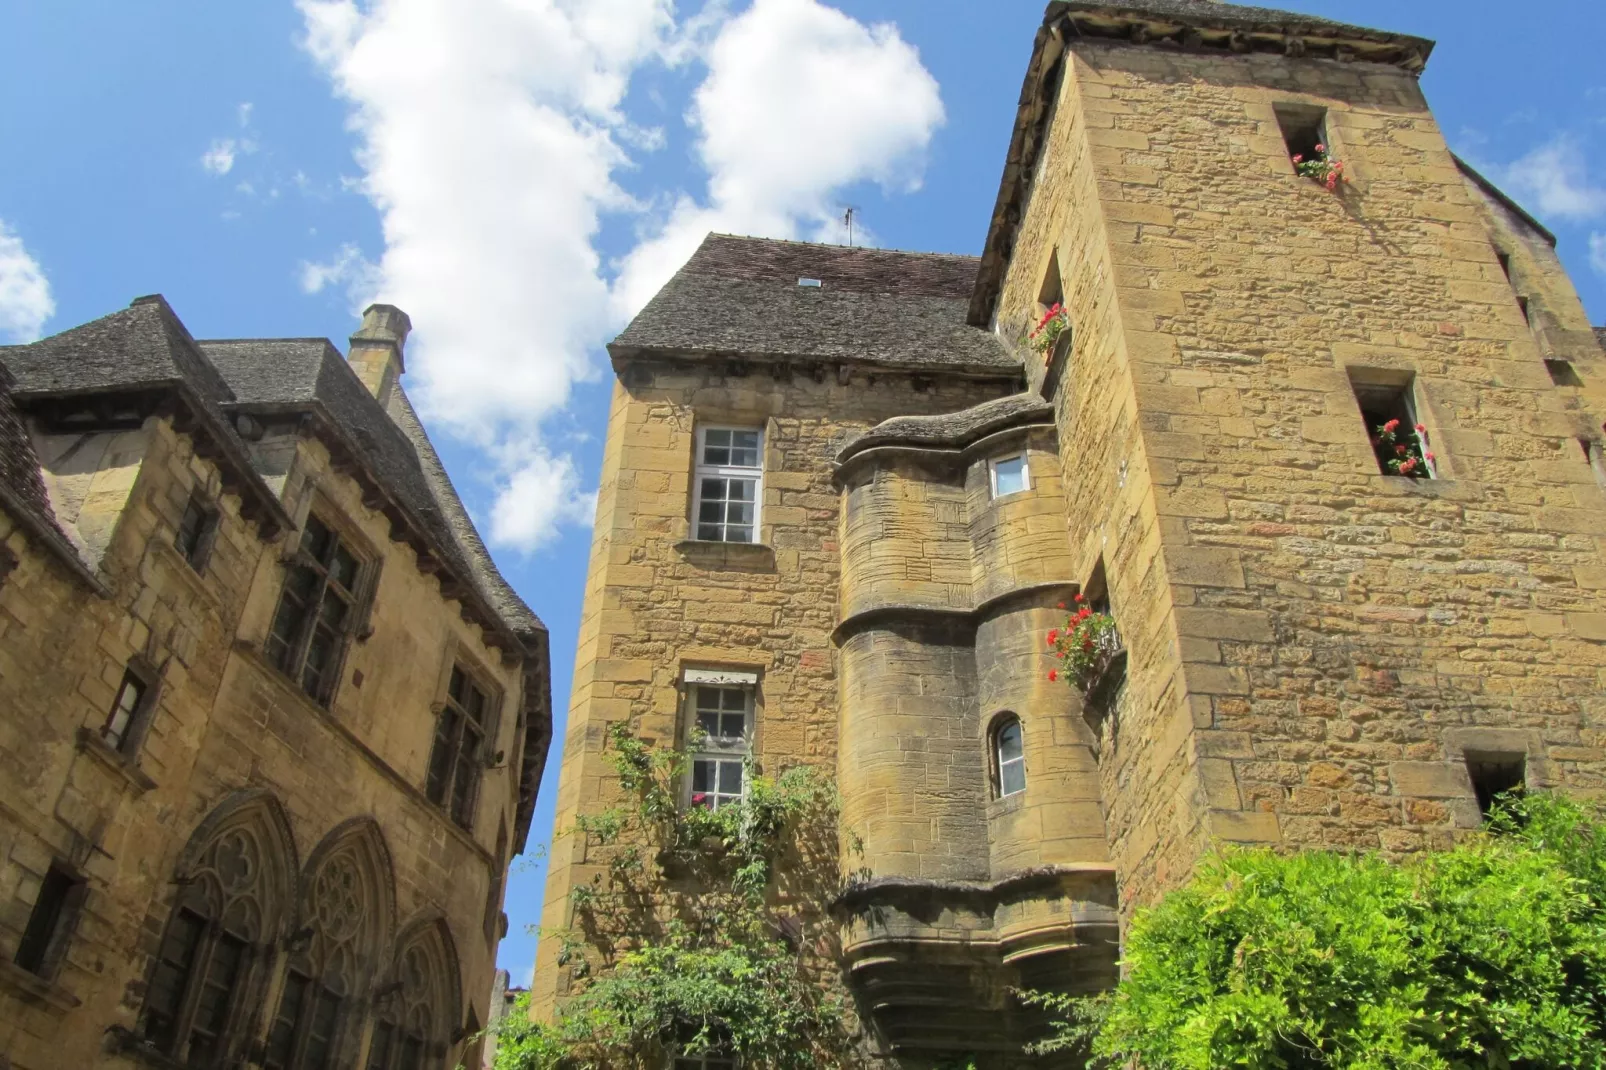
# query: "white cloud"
[[25, 301], [800, 101], [348, 269], [1555, 179], [219, 159], [1597, 251], [490, 133]]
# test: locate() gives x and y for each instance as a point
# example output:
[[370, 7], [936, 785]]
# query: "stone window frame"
[[701, 470], [1303, 126], [140, 673], [476, 678], [1494, 772], [1002, 723], [1393, 393], [721, 751], [207, 517], [52, 920], [1021, 455], [292, 660]]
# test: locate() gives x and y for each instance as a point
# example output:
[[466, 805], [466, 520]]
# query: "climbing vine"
[[706, 930]]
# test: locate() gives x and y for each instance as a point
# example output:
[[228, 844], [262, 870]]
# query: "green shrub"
[[1492, 954]]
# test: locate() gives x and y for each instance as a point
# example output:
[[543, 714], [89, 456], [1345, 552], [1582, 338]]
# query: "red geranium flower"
[[1053, 674], [1053, 635]]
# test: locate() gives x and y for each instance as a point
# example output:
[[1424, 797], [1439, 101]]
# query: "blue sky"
[[519, 175]]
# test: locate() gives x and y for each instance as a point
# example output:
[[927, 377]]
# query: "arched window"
[[419, 1008], [347, 908], [235, 882], [1009, 758]]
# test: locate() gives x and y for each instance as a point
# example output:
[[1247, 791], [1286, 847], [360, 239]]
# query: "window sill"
[[755, 556], [32, 987], [1009, 804], [123, 765]]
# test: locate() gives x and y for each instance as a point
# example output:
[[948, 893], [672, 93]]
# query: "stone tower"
[[842, 497]]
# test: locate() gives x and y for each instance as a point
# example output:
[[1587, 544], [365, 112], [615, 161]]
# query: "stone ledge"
[[968, 616], [122, 764], [32, 987], [748, 556]]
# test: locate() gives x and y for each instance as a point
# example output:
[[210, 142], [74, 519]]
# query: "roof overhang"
[[1164, 24], [624, 355]]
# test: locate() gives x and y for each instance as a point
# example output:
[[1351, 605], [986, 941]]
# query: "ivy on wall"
[[1492, 954]]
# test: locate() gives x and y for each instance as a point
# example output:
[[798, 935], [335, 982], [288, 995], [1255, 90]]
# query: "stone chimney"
[[376, 349]]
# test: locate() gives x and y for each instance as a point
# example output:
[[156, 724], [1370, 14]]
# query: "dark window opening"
[[1304, 127], [50, 925], [304, 1030], [1398, 439], [1527, 317], [1052, 292], [175, 961], [197, 530], [194, 994], [1494, 775], [456, 757], [130, 709], [1562, 373], [317, 610], [1505, 263]]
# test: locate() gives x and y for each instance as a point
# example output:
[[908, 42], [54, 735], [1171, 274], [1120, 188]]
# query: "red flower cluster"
[[1329, 172], [1082, 645], [1049, 328]]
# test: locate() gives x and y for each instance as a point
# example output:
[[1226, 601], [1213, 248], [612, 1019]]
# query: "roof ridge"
[[836, 245]]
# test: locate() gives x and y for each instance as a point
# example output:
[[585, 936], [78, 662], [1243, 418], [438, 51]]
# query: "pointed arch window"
[[233, 895], [414, 1027], [346, 910], [1009, 757]]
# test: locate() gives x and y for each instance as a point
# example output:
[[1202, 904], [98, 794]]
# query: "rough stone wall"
[[224, 720], [657, 604], [1344, 637]]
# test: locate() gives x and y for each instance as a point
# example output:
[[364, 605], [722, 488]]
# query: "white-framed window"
[[729, 480], [719, 736], [1009, 758], [708, 1061], [1009, 475]]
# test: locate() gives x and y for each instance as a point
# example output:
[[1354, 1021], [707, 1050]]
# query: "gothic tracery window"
[[414, 1027], [233, 894], [345, 911]]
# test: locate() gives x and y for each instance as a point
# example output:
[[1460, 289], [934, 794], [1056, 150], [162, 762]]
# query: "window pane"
[[733, 726], [379, 1047], [190, 528], [282, 1041], [738, 534], [320, 659], [315, 538], [744, 449], [444, 755], [321, 1031], [333, 613], [1012, 777], [217, 998], [702, 776], [455, 689], [344, 569], [709, 723], [465, 780], [412, 1053], [174, 960], [122, 715], [1009, 742], [741, 490], [730, 778], [45, 921], [1009, 475]]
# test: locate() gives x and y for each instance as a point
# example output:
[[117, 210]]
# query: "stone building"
[[271, 723], [842, 499]]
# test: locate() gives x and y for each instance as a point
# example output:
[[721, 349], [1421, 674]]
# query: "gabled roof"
[[1500, 195], [740, 297], [145, 349], [269, 375]]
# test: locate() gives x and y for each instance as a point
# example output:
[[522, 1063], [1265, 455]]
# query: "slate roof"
[[952, 430], [144, 347], [740, 297], [19, 465], [302, 374]]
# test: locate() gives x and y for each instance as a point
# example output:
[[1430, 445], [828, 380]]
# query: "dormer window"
[[1009, 475]]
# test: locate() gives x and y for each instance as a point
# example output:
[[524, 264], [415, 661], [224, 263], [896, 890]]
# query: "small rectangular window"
[[50, 924], [705, 1062], [196, 530], [1304, 127], [1494, 775], [1388, 409], [317, 609], [1010, 475], [129, 711], [728, 482], [458, 754], [720, 740], [811, 283]]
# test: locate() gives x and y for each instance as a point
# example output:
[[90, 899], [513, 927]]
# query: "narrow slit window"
[[728, 482], [1052, 292], [1010, 475], [1399, 439], [197, 529], [719, 743], [1304, 127], [130, 709], [1562, 372], [1495, 775], [1009, 759], [50, 924]]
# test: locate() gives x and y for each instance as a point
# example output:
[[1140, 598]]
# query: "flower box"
[[1091, 654]]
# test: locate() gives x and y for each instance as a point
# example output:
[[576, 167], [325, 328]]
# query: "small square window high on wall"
[[728, 483], [1387, 401], [197, 529], [1010, 475]]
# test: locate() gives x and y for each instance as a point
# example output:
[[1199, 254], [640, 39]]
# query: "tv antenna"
[[847, 221]]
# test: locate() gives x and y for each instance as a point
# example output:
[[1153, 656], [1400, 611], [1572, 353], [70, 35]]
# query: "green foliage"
[[524, 1044], [696, 935], [1492, 954]]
